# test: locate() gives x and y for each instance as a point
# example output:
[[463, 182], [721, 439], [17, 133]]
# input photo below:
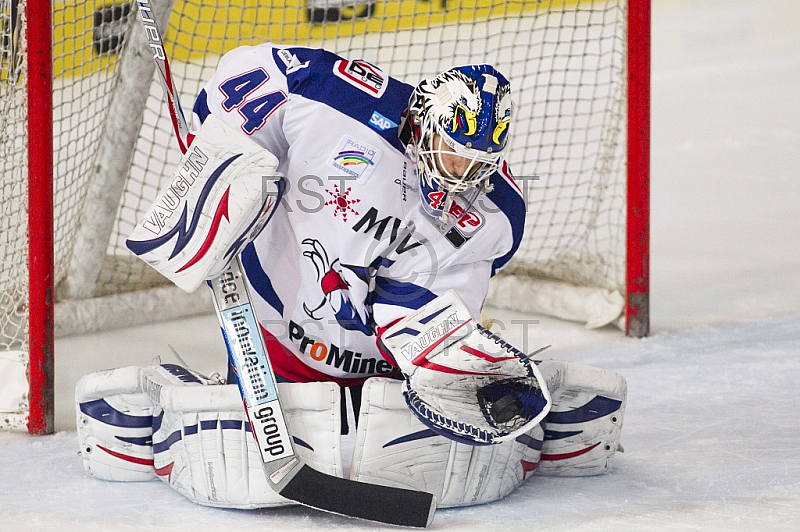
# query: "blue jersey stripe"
[[400, 294], [509, 200], [259, 279], [201, 106]]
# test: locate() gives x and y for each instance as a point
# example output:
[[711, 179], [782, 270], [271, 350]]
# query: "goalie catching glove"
[[461, 380], [221, 196]]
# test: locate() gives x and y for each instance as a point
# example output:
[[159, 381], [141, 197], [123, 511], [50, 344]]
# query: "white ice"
[[711, 433]]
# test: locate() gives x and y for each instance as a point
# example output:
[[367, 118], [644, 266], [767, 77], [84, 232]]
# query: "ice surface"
[[711, 431], [710, 434]]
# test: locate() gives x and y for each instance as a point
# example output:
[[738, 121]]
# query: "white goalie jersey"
[[351, 248]]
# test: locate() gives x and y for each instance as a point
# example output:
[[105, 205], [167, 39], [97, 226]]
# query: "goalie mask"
[[456, 128]]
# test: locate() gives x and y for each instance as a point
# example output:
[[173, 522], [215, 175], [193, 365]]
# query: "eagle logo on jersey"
[[335, 289]]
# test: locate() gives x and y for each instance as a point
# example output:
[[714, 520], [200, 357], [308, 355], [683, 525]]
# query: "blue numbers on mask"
[[255, 111]]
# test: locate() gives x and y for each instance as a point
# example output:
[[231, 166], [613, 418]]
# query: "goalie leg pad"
[[582, 430], [203, 447], [115, 418], [393, 448], [205, 451], [115, 429]]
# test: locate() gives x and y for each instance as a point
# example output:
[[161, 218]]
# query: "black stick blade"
[[394, 506]]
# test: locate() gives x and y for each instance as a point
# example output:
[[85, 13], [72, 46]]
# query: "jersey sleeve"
[[248, 91], [510, 207], [394, 299]]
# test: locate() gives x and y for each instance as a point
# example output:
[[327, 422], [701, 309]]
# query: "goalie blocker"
[[221, 196]]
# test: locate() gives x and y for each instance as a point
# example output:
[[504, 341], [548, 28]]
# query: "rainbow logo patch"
[[354, 157], [350, 158]]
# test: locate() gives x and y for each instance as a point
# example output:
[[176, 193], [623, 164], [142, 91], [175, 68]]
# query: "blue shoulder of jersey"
[[354, 88], [508, 197]]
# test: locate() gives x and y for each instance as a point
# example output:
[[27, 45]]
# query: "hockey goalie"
[[369, 216]]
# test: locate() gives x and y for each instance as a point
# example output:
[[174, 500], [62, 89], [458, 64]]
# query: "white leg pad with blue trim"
[[393, 448], [194, 436], [204, 449], [584, 425], [115, 426]]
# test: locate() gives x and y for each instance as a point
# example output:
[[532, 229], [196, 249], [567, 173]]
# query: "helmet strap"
[[447, 220]]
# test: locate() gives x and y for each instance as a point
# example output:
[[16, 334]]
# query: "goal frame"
[[637, 254], [40, 212], [41, 296]]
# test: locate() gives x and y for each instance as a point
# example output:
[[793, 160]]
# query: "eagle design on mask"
[[503, 111], [456, 101]]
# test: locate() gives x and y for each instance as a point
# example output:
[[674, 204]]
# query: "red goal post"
[[580, 72], [637, 273], [41, 294]]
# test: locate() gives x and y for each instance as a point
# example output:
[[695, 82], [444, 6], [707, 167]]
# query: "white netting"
[[13, 157], [565, 59], [13, 214], [566, 62]]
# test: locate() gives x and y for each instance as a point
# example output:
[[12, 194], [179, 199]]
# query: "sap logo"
[[362, 75], [380, 122]]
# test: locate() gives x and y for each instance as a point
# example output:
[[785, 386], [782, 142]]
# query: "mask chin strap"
[[447, 220]]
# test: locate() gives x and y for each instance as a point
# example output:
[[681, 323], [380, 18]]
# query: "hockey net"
[[113, 143]]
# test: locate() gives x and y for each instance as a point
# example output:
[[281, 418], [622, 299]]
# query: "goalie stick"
[[285, 472]]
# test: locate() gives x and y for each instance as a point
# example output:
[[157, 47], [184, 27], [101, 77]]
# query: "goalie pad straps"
[[221, 196], [462, 381], [394, 448]]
